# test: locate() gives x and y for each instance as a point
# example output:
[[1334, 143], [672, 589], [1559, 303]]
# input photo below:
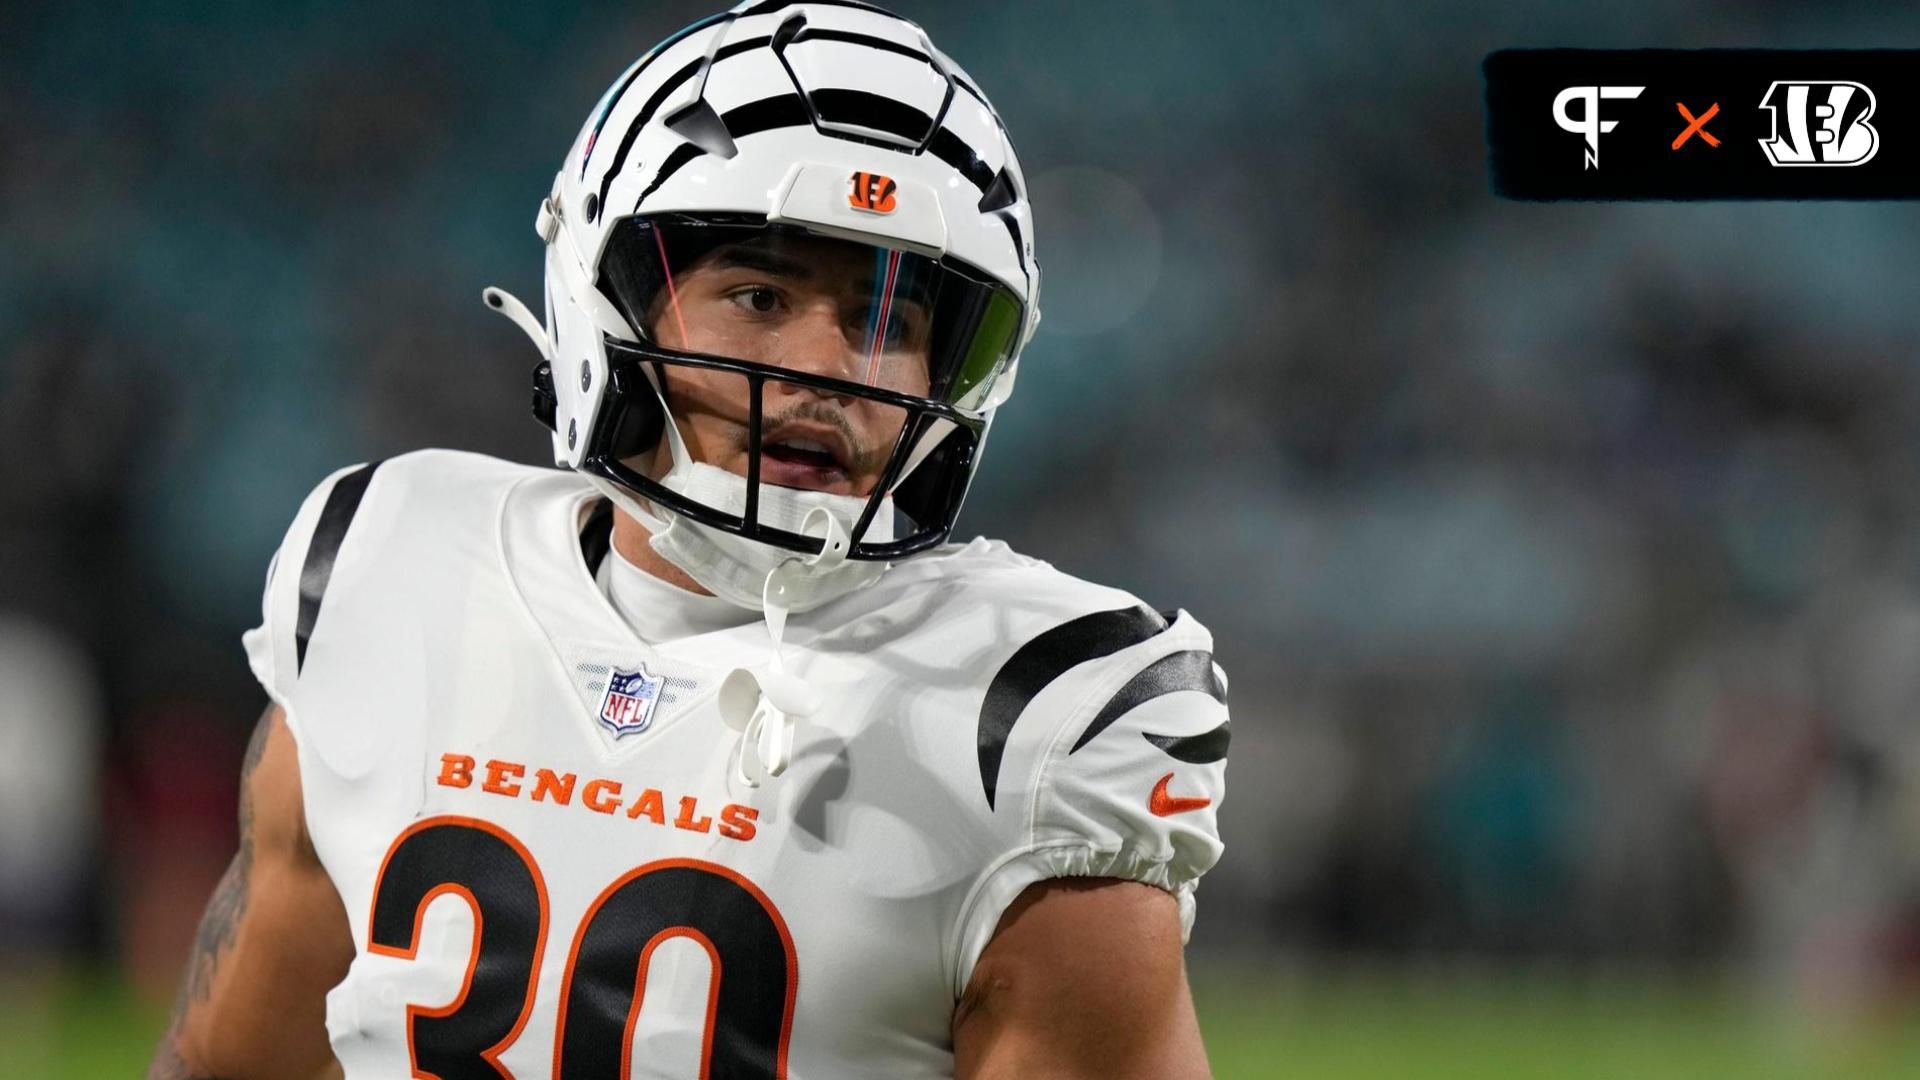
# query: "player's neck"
[[631, 540]]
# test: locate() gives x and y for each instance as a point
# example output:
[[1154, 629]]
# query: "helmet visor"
[[783, 297]]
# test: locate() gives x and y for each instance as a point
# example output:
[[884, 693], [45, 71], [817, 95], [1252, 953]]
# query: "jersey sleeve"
[[1127, 784], [297, 576]]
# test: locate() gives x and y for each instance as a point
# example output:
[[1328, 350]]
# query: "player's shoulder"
[[409, 523], [429, 478], [1031, 598], [1052, 623], [1098, 730], [431, 493], [1046, 660]]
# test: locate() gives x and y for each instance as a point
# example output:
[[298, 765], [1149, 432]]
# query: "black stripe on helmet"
[[767, 114], [886, 45], [659, 98], [851, 38], [752, 118], [975, 91], [633, 76], [953, 150], [640, 121], [1013, 230], [1037, 663], [841, 106], [875, 112], [682, 154], [777, 5], [613, 103]]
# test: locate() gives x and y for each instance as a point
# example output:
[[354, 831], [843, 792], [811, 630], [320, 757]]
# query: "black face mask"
[[909, 321]]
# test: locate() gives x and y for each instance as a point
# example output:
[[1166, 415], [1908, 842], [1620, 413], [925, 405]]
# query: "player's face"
[[804, 304]]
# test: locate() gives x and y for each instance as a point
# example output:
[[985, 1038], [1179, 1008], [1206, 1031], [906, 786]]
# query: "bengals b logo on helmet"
[[872, 192]]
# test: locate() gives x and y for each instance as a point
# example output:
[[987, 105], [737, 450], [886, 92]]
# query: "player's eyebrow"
[[755, 257]]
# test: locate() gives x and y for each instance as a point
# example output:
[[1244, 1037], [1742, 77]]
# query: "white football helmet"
[[836, 120]]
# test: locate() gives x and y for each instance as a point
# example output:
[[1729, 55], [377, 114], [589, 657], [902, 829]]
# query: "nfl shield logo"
[[631, 696]]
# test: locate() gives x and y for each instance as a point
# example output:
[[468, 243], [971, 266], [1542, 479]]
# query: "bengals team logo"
[[872, 192], [1819, 123]]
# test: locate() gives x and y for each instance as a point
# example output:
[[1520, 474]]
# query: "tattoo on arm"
[[218, 924]]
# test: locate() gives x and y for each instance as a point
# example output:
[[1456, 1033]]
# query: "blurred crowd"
[[1565, 559]]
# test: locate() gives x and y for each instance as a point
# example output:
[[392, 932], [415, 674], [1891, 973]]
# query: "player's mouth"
[[808, 455]]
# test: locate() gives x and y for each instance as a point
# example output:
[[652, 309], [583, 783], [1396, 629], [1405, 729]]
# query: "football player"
[[706, 754]]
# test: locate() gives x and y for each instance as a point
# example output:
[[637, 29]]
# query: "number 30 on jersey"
[[749, 1002]]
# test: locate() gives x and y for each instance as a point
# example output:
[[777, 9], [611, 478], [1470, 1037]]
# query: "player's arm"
[[1085, 977], [274, 939]]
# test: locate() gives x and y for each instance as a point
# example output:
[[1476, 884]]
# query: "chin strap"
[[765, 706]]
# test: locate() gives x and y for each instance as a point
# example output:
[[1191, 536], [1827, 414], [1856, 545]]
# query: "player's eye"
[[902, 329], [757, 299]]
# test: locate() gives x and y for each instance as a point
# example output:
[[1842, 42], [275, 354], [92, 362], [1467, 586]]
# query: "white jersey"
[[549, 863]]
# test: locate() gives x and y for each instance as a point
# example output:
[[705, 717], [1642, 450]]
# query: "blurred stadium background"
[[1565, 558]]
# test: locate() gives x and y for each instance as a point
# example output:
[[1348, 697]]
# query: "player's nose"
[[816, 342]]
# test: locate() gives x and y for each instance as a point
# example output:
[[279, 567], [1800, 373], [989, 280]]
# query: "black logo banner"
[[1704, 124]]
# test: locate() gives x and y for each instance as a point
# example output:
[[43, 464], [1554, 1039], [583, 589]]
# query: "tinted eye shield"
[[972, 322]]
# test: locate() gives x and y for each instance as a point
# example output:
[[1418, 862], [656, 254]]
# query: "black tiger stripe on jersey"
[[1189, 670], [1040, 661], [335, 518], [596, 536], [1202, 749]]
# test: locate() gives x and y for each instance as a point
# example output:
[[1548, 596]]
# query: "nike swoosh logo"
[[1165, 805]]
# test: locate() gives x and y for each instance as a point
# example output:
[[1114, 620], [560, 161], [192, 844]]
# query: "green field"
[[1484, 1028], [1350, 1028]]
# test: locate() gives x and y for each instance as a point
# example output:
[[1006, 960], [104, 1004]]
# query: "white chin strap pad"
[[736, 568]]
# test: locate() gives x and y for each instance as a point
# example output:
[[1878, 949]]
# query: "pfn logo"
[[1826, 124], [1589, 124], [872, 192]]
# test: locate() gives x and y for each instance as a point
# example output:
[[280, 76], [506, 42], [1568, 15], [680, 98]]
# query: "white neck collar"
[[659, 611]]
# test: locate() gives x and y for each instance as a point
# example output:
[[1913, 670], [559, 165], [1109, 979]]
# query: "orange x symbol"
[[1699, 125]]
